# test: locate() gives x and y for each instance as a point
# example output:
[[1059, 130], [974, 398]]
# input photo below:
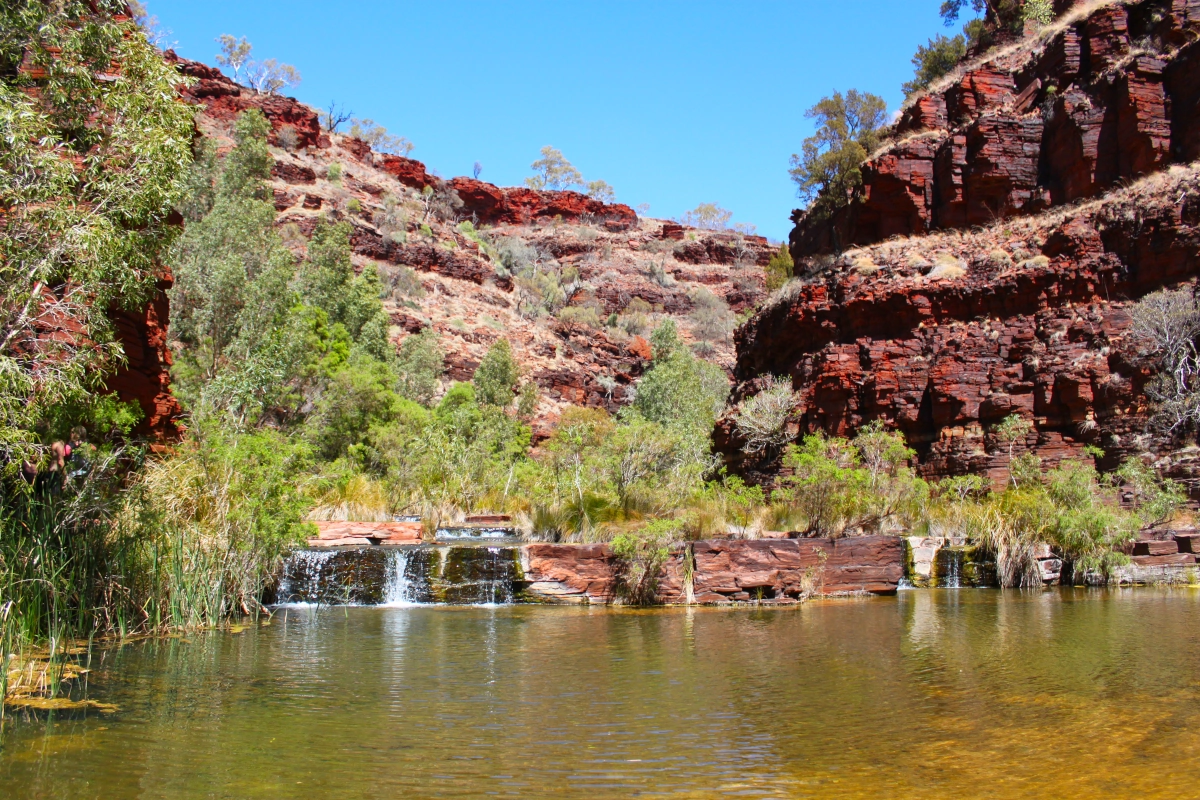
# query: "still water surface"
[[969, 693]]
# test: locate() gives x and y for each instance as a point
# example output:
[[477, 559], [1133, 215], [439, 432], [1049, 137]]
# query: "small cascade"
[[472, 532], [948, 568], [402, 576]]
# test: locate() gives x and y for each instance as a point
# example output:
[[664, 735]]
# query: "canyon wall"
[[987, 264]]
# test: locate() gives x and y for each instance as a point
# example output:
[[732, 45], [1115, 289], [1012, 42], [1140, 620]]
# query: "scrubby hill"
[[572, 282], [987, 264]]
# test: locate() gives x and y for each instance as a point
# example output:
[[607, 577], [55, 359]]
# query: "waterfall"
[[466, 574], [948, 568], [399, 591]]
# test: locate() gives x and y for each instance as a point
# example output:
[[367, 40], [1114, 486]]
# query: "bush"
[[711, 319], [842, 487], [779, 269], [642, 553], [762, 419], [680, 390], [420, 364], [587, 316], [497, 375], [1164, 334]]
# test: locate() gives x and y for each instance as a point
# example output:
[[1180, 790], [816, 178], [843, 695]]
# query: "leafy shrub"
[[842, 487], [586, 315], [642, 553], [680, 390], [780, 268], [420, 364], [762, 419], [711, 319], [378, 137], [496, 377]]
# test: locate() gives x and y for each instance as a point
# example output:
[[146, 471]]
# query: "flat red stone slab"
[[369, 532]]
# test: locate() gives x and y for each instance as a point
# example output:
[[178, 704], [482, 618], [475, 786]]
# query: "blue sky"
[[673, 103]]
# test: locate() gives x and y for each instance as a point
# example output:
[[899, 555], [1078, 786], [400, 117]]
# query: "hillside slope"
[[440, 248]]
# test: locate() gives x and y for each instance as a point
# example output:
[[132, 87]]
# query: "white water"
[[312, 563], [398, 591]]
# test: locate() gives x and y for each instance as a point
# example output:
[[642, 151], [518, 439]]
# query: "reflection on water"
[[968, 693]]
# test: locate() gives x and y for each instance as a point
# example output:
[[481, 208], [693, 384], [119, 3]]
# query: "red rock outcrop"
[[1027, 317], [1098, 99], [722, 571], [224, 100], [145, 377], [942, 332]]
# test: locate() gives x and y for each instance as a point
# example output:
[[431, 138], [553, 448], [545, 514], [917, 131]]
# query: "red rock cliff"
[[943, 331]]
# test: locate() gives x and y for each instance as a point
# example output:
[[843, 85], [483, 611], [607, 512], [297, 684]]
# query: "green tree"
[[359, 396], [553, 171], [234, 54], [496, 377], [600, 190], [849, 127], [328, 281], [680, 390], [708, 216], [934, 60], [378, 137], [231, 268], [86, 199], [780, 268], [421, 363], [1003, 15]]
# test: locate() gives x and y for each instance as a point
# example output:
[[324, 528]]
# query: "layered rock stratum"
[[988, 262]]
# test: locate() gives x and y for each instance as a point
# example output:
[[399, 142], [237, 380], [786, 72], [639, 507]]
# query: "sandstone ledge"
[[736, 570]]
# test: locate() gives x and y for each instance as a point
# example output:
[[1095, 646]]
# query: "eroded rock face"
[[724, 571], [1034, 323], [973, 293], [145, 377], [1106, 98]]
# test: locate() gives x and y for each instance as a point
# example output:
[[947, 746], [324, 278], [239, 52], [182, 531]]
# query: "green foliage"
[[358, 397], [780, 268], [840, 487], [328, 282], [679, 390], [231, 269], [849, 127], [527, 400], [86, 198], [1038, 11], [642, 553], [1155, 499], [496, 377], [420, 364], [935, 60]]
